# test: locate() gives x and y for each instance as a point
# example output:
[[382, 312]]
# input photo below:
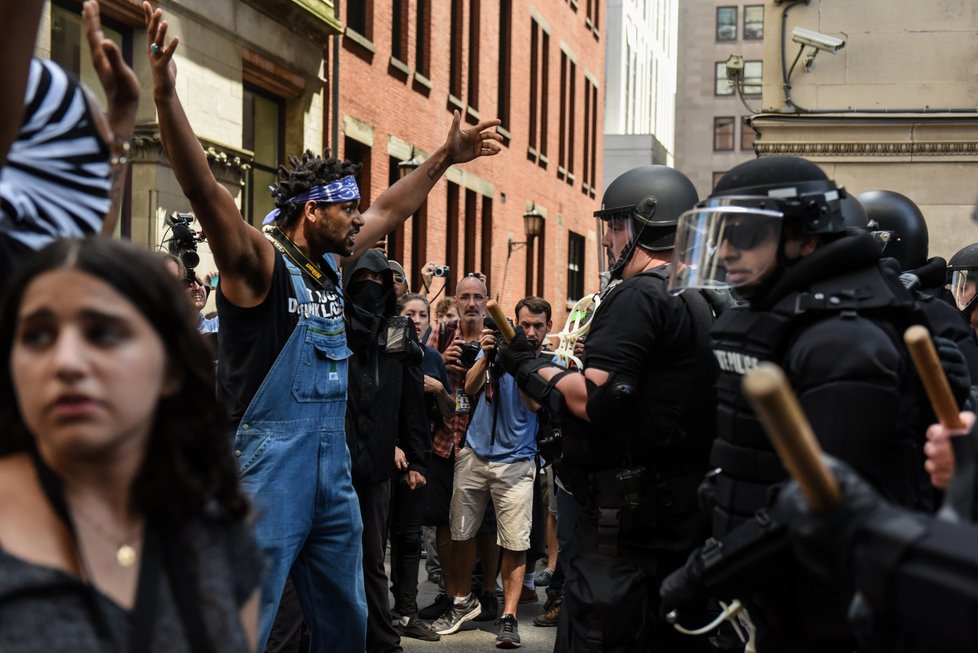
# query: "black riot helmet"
[[642, 207], [754, 206], [963, 278], [901, 225]]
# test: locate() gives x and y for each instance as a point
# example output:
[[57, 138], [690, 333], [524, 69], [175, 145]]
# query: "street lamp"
[[407, 166], [532, 226]]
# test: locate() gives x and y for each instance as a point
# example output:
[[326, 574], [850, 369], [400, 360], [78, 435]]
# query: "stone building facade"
[[896, 108], [237, 62]]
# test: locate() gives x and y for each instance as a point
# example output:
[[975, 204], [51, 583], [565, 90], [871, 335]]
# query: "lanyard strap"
[[289, 250]]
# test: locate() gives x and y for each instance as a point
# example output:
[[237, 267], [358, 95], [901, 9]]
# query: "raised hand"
[[116, 77], [160, 52], [472, 142]]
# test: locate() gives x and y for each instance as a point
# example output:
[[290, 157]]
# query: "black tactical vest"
[[742, 337]]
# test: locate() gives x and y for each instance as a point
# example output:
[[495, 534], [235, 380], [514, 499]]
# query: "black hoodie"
[[385, 405]]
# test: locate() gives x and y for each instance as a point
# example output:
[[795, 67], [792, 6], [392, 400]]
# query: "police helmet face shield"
[[616, 234], [726, 242], [963, 283]]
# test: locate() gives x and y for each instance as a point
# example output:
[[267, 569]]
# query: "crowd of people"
[[150, 501]]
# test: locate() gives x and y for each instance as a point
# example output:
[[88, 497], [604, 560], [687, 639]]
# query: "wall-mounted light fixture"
[[409, 165], [532, 227]]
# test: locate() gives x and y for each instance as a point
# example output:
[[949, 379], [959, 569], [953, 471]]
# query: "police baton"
[[770, 395], [499, 317], [932, 375]]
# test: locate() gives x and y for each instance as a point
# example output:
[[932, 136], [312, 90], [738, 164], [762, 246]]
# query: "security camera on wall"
[[817, 40]]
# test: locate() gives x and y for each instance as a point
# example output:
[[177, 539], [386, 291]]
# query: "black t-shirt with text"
[[250, 339]]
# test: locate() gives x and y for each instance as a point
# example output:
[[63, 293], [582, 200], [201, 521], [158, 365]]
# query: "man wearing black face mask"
[[386, 425]]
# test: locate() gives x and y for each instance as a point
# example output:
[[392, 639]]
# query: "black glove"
[[516, 352], [684, 587], [955, 368], [824, 542]]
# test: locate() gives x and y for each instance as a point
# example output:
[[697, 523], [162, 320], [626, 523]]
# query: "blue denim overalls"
[[295, 465]]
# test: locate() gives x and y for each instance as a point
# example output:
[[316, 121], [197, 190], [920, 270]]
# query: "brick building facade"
[[405, 66]]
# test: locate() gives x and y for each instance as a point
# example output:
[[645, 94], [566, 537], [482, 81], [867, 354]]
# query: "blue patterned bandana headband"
[[341, 190]]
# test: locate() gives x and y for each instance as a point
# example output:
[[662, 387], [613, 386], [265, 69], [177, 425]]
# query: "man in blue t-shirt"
[[498, 463]]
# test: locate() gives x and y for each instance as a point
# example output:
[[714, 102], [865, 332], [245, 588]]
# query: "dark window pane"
[[726, 23], [723, 134], [747, 135]]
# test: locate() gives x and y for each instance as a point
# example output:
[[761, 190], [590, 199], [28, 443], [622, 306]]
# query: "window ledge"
[[398, 69], [455, 103], [532, 154], [472, 115], [353, 37], [421, 80]]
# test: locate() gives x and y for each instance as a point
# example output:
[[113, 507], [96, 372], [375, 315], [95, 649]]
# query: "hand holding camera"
[[431, 270], [487, 340]]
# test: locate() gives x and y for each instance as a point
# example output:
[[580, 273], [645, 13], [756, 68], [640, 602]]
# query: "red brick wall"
[[375, 93]]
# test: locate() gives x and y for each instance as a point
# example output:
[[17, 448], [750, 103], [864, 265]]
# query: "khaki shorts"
[[509, 485]]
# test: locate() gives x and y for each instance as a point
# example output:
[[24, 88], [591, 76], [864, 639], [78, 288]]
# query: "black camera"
[[550, 443], [489, 323], [470, 350], [183, 241], [440, 271]]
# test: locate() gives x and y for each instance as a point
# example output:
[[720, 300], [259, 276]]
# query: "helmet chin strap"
[[619, 267]]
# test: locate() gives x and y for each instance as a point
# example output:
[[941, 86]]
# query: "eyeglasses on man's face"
[[465, 299]]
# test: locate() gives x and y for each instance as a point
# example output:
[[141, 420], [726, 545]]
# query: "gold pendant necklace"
[[125, 553]]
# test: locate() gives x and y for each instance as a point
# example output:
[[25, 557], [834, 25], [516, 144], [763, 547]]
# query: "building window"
[[753, 76], [726, 23], [723, 134], [590, 138], [722, 85], [473, 54], [717, 176], [360, 152], [575, 266], [505, 52], [69, 47], [399, 30], [451, 235], [568, 91], [422, 47], [592, 16], [754, 22], [539, 82], [263, 132], [747, 135], [358, 17], [486, 263], [469, 233], [455, 52]]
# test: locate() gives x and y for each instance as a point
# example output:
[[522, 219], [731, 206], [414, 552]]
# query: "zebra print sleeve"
[[56, 181]]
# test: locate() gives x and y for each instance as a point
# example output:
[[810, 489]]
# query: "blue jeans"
[[295, 465]]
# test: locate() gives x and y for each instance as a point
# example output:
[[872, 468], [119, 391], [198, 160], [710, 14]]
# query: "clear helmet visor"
[[724, 247], [962, 287], [615, 232]]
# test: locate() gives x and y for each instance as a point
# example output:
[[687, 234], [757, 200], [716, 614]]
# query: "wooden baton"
[[505, 328], [791, 434], [932, 375]]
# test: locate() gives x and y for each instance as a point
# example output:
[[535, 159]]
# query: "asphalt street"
[[481, 636]]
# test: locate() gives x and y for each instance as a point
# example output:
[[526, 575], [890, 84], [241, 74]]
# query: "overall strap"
[[302, 294]]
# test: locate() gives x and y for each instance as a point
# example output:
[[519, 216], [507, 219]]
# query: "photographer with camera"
[[497, 463], [459, 344]]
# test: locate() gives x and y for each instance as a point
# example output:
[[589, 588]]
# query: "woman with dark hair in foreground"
[[121, 523]]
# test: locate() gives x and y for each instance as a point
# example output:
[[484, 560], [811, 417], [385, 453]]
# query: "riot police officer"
[[820, 304], [637, 424], [917, 575], [899, 226], [962, 272]]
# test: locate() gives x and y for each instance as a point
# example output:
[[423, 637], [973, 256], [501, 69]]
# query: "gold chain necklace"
[[125, 553]]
